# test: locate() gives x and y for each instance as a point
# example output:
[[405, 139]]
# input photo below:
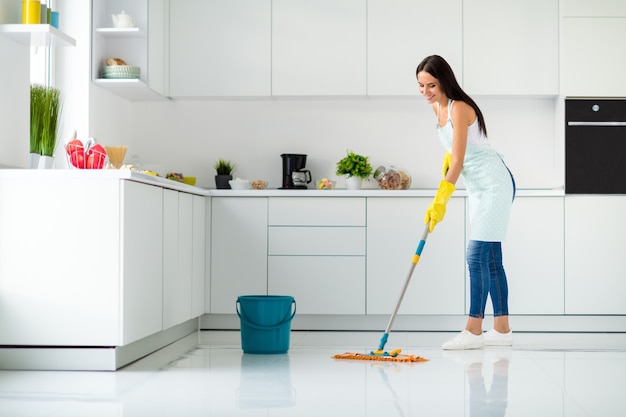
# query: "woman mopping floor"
[[490, 189]]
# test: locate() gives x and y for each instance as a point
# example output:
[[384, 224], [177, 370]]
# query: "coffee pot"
[[301, 178]]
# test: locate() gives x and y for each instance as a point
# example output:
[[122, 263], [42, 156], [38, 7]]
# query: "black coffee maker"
[[294, 174]]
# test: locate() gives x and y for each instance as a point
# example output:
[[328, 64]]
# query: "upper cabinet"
[[131, 44], [592, 55], [220, 48], [319, 47], [511, 47], [400, 35]]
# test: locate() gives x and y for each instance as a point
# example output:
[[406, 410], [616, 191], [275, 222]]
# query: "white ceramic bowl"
[[239, 184]]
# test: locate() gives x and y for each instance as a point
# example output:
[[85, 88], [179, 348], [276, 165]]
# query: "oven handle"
[[596, 123]]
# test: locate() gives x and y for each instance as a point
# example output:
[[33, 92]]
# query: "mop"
[[394, 355]]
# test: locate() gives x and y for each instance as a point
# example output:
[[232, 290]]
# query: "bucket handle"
[[286, 320]]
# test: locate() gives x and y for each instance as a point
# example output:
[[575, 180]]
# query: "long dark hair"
[[441, 70]]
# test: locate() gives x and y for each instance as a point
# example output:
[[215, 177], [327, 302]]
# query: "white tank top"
[[474, 135]]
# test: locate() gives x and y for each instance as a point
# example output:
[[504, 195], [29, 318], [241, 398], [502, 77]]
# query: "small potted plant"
[[355, 168], [224, 170]]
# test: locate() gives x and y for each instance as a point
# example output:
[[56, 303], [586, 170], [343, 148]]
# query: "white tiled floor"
[[207, 374]]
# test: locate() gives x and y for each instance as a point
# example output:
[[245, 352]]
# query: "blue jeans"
[[487, 277]]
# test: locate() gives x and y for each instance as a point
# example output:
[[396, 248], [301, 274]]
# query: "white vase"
[[33, 161], [353, 183], [46, 162]]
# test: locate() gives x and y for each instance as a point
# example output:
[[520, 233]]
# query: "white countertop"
[[124, 174]]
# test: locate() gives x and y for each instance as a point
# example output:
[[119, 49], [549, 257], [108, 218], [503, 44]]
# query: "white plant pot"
[[33, 161], [353, 183], [46, 162]]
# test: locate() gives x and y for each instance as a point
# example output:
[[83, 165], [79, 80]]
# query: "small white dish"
[[239, 184]]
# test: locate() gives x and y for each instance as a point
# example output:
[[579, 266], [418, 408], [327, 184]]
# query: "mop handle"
[[414, 261]]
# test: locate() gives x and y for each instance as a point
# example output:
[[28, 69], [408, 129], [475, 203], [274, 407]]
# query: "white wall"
[[189, 136], [14, 93]]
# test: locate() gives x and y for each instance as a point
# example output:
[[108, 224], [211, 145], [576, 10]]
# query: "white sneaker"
[[464, 340], [495, 338]]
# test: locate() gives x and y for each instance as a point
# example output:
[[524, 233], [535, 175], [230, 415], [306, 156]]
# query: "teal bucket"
[[265, 322]]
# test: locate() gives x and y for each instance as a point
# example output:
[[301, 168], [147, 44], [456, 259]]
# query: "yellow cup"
[[31, 12]]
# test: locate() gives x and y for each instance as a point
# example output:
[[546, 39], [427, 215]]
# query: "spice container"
[[392, 178]]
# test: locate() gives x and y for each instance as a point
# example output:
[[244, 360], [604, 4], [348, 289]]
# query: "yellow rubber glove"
[[437, 208], [447, 160]]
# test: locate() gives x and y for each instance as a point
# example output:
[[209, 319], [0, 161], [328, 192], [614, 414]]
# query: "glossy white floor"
[[207, 374]]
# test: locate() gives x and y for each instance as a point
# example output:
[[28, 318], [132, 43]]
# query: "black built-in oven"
[[595, 146]]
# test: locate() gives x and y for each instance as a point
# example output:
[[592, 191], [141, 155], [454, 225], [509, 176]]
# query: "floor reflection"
[[265, 382]]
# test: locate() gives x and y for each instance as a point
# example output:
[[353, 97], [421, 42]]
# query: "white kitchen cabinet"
[[238, 250], [220, 48], [199, 255], [400, 35], [533, 256], [318, 47], [594, 254], [86, 275], [177, 257], [142, 223], [511, 47], [596, 8], [320, 284], [138, 46], [317, 253], [394, 229], [593, 57]]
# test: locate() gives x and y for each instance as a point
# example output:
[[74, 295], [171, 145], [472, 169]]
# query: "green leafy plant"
[[223, 167], [45, 112], [354, 165]]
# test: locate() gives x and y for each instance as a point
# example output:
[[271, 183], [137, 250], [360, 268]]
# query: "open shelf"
[[131, 88], [37, 35], [121, 32]]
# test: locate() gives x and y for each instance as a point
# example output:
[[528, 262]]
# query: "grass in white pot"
[[45, 112]]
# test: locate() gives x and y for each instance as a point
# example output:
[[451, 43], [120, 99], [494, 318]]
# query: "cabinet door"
[[596, 8], [593, 59], [238, 250], [511, 47], [594, 255], [220, 48], [199, 254], [142, 271], [320, 284], [394, 228], [318, 47], [533, 256], [177, 257], [395, 42], [60, 275]]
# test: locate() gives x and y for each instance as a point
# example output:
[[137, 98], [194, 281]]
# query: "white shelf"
[[132, 88], [37, 35], [121, 32]]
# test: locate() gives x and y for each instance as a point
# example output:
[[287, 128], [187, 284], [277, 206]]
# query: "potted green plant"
[[45, 112], [355, 168], [224, 173]]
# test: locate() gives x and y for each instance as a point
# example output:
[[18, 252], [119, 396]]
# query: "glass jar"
[[392, 178]]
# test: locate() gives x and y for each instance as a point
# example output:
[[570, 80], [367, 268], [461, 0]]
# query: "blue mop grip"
[[383, 341], [418, 251]]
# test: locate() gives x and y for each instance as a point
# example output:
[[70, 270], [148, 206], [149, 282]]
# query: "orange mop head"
[[391, 356]]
